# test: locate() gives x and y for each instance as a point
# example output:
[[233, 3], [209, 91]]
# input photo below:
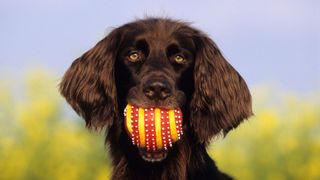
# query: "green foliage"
[[41, 139]]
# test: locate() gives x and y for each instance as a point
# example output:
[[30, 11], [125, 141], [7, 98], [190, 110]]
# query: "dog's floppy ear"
[[88, 85], [221, 99]]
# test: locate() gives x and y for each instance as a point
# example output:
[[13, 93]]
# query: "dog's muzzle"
[[153, 130]]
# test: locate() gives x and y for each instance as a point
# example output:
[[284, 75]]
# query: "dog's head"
[[158, 63]]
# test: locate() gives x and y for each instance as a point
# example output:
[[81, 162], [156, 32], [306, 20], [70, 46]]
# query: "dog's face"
[[158, 63], [151, 70], [151, 64]]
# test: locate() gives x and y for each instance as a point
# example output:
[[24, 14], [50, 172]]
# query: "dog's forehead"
[[158, 31], [157, 35]]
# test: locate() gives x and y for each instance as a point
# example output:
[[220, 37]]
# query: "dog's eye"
[[179, 59], [134, 56]]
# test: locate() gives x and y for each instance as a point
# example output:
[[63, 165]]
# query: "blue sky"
[[274, 42]]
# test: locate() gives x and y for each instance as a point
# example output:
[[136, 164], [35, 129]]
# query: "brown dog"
[[164, 64]]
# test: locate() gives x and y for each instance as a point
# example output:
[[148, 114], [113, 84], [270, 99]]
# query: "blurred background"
[[274, 44]]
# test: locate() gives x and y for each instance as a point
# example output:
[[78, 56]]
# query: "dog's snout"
[[157, 89]]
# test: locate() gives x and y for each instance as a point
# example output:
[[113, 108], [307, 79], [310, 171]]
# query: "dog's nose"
[[157, 90]]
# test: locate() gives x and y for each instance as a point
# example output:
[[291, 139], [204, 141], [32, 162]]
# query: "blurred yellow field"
[[41, 138]]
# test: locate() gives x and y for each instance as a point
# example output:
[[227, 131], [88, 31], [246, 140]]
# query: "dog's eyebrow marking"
[[142, 45], [173, 49]]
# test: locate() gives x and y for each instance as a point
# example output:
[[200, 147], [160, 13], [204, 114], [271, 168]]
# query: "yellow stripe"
[[158, 128], [128, 119], [173, 129], [141, 127]]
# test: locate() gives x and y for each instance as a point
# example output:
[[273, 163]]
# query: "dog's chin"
[[152, 157]]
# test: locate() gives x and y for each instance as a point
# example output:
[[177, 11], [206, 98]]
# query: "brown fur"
[[213, 96]]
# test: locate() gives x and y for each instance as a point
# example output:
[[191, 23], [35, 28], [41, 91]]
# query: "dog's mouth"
[[153, 130], [152, 157]]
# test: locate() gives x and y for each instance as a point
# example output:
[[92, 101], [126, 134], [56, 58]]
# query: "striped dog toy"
[[153, 128]]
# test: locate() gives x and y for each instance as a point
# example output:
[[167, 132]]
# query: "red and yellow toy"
[[153, 128]]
